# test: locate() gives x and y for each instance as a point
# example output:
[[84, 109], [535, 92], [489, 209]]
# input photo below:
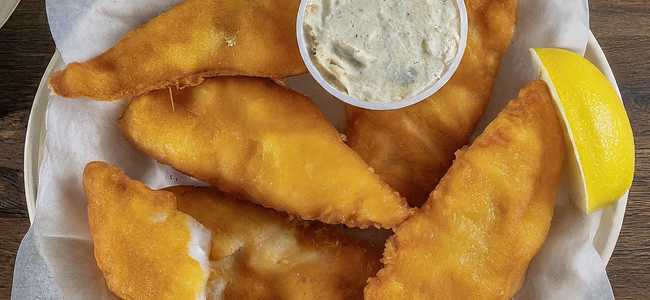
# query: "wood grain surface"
[[621, 26]]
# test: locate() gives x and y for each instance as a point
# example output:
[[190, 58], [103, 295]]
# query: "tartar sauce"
[[382, 50]]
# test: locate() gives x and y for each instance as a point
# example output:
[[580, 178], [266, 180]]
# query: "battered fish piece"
[[268, 144], [412, 148], [194, 40], [258, 253], [488, 217], [145, 248]]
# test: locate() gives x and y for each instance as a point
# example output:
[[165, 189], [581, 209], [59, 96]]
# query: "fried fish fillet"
[[191, 41], [268, 144], [412, 148], [488, 217], [145, 248], [258, 253]]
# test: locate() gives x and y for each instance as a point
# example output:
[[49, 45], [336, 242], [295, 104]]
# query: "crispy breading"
[[145, 248], [191, 41], [488, 217], [258, 253], [412, 148], [268, 144]]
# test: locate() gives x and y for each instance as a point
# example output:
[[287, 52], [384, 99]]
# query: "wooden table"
[[621, 26]]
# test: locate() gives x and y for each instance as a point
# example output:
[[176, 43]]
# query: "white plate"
[[604, 242], [7, 7]]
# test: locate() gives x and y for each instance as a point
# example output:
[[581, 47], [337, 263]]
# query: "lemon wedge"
[[597, 128]]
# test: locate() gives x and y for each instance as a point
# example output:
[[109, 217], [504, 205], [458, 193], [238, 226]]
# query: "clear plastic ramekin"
[[426, 93]]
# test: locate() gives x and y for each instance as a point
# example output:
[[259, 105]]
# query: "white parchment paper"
[[568, 267]]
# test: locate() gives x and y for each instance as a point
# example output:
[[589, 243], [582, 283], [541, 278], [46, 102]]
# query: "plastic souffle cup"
[[424, 94]]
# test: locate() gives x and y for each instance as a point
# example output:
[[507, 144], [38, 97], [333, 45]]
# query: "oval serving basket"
[[604, 242]]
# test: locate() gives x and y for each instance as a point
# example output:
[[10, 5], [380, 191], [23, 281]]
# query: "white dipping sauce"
[[382, 50]]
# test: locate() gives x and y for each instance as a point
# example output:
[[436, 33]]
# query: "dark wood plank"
[[12, 231], [25, 49], [622, 27]]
